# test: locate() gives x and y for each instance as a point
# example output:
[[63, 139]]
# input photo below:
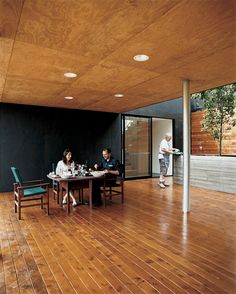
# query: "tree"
[[219, 104]]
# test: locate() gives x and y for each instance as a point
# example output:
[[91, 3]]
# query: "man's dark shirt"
[[112, 164]]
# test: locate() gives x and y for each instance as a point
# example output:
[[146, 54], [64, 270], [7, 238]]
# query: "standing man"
[[164, 158]]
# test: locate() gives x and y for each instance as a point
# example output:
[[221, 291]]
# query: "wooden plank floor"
[[145, 245]]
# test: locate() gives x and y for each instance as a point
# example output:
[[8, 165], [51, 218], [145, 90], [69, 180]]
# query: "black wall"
[[170, 109], [31, 138]]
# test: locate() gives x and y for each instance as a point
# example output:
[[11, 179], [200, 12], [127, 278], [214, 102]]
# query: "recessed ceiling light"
[[119, 95], [141, 57], [69, 97], [70, 75]]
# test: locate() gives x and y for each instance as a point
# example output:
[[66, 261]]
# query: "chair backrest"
[[53, 167], [16, 175], [121, 170]]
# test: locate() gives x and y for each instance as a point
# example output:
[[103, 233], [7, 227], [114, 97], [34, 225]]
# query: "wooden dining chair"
[[31, 191], [113, 186]]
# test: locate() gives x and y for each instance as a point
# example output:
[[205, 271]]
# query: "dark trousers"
[[96, 193], [97, 184]]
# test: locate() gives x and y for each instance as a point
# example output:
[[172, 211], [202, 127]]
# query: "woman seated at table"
[[64, 166]]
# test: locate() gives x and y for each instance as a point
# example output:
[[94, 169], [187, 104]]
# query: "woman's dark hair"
[[66, 151]]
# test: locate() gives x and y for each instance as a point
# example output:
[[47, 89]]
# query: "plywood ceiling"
[[40, 40]]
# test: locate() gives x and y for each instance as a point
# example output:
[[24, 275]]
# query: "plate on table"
[[65, 176], [97, 173], [53, 175]]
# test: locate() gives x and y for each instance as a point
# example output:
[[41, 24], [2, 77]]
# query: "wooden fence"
[[203, 143]]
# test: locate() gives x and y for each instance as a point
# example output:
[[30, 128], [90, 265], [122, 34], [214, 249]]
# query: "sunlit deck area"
[[145, 245]]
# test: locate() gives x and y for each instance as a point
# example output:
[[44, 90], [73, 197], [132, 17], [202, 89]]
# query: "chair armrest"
[[33, 186], [34, 181], [114, 179]]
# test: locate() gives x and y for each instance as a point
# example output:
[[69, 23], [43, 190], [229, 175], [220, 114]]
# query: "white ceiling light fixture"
[[69, 97], [141, 57], [70, 75], [119, 95]]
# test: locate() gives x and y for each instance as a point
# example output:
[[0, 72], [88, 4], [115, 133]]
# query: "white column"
[[186, 146]]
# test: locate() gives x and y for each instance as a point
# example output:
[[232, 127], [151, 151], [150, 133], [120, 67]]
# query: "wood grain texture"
[[203, 143], [184, 39], [145, 245], [6, 46], [10, 13]]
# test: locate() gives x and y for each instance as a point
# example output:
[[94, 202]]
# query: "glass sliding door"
[[137, 146]]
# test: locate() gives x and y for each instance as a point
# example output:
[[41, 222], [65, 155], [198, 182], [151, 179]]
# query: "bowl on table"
[[66, 175], [97, 173]]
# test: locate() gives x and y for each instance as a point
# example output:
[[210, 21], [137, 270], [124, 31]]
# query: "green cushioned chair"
[[32, 191]]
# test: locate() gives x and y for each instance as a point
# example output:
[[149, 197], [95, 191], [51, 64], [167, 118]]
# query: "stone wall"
[[211, 172]]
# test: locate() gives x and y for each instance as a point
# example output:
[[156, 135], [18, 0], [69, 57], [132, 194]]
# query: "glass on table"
[[76, 173]]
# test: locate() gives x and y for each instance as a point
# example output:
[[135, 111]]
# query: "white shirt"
[[63, 168], [164, 145]]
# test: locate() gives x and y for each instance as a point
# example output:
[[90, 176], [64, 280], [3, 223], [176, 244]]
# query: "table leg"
[[60, 193], [68, 197], [90, 194]]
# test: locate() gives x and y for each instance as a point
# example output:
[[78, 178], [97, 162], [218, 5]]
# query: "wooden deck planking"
[[90, 256], [138, 247], [135, 253]]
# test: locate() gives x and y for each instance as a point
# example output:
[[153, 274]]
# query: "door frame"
[[150, 160]]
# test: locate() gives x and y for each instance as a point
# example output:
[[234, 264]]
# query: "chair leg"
[[15, 204], [58, 197], [53, 190], [41, 202], [110, 191], [122, 192], [19, 209], [48, 203], [104, 196]]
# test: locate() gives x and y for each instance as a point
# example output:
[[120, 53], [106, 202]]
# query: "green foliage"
[[219, 104]]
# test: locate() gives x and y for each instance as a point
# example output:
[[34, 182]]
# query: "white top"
[[63, 168], [164, 145]]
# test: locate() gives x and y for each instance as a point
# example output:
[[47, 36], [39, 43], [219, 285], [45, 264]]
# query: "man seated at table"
[[111, 167]]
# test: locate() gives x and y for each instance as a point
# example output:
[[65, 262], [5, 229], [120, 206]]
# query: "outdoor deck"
[[145, 245]]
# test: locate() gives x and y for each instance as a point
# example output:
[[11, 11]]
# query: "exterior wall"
[[202, 143], [169, 109], [211, 172]]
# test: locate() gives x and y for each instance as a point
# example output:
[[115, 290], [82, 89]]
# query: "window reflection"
[[137, 146]]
